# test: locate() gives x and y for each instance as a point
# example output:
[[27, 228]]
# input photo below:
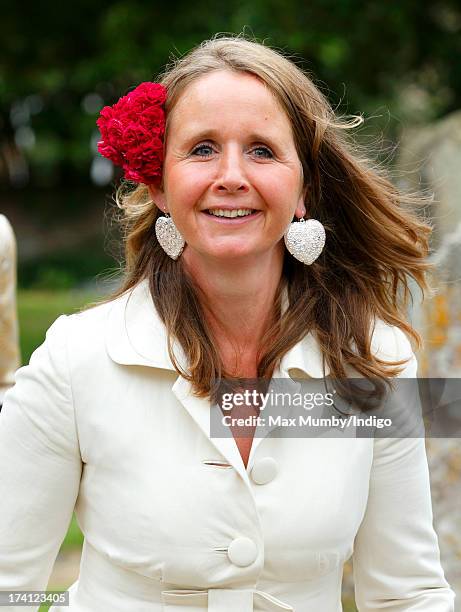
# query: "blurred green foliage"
[[393, 62], [64, 269], [38, 309], [362, 55]]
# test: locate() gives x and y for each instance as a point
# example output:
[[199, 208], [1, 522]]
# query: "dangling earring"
[[169, 237], [305, 240]]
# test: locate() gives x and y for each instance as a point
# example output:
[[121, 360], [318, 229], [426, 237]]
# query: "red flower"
[[132, 132]]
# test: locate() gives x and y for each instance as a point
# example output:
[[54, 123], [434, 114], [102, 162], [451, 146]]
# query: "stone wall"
[[430, 157]]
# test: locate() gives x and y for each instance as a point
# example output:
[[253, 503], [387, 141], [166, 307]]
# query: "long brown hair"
[[375, 239]]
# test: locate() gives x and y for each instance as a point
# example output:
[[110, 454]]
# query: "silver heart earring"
[[169, 237], [305, 240]]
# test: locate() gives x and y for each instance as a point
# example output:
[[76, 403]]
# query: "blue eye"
[[264, 149], [201, 147]]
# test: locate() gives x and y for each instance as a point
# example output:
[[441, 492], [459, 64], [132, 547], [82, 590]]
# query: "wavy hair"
[[376, 239]]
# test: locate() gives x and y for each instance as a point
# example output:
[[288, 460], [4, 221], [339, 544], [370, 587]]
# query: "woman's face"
[[230, 147]]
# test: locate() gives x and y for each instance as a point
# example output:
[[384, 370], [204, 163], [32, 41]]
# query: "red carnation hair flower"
[[132, 132]]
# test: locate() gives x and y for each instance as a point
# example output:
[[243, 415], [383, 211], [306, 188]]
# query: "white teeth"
[[241, 212]]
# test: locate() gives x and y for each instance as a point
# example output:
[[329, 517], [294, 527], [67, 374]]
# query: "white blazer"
[[99, 421]]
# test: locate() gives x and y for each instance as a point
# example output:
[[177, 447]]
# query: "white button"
[[242, 552], [264, 470]]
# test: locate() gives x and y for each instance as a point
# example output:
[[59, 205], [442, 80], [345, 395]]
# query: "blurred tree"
[[391, 61]]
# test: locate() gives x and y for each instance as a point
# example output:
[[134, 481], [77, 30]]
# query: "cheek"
[[281, 200], [185, 185], [280, 186]]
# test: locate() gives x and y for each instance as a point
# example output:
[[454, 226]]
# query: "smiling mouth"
[[231, 214]]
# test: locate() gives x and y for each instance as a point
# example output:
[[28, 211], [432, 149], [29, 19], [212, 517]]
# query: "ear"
[[158, 197], [301, 207]]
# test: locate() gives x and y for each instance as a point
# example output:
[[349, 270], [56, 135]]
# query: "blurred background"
[[396, 63]]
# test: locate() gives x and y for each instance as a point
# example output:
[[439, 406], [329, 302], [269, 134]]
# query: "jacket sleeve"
[[40, 465], [396, 558]]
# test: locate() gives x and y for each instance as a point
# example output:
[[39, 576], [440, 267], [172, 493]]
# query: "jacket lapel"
[[199, 409], [135, 335]]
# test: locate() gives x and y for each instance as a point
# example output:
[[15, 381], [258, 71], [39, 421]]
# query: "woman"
[[112, 414]]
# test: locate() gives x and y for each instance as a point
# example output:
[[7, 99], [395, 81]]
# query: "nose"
[[231, 172]]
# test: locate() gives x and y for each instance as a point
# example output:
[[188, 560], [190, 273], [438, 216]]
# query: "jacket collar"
[[135, 335]]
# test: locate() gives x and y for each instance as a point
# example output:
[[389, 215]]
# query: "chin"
[[228, 249]]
